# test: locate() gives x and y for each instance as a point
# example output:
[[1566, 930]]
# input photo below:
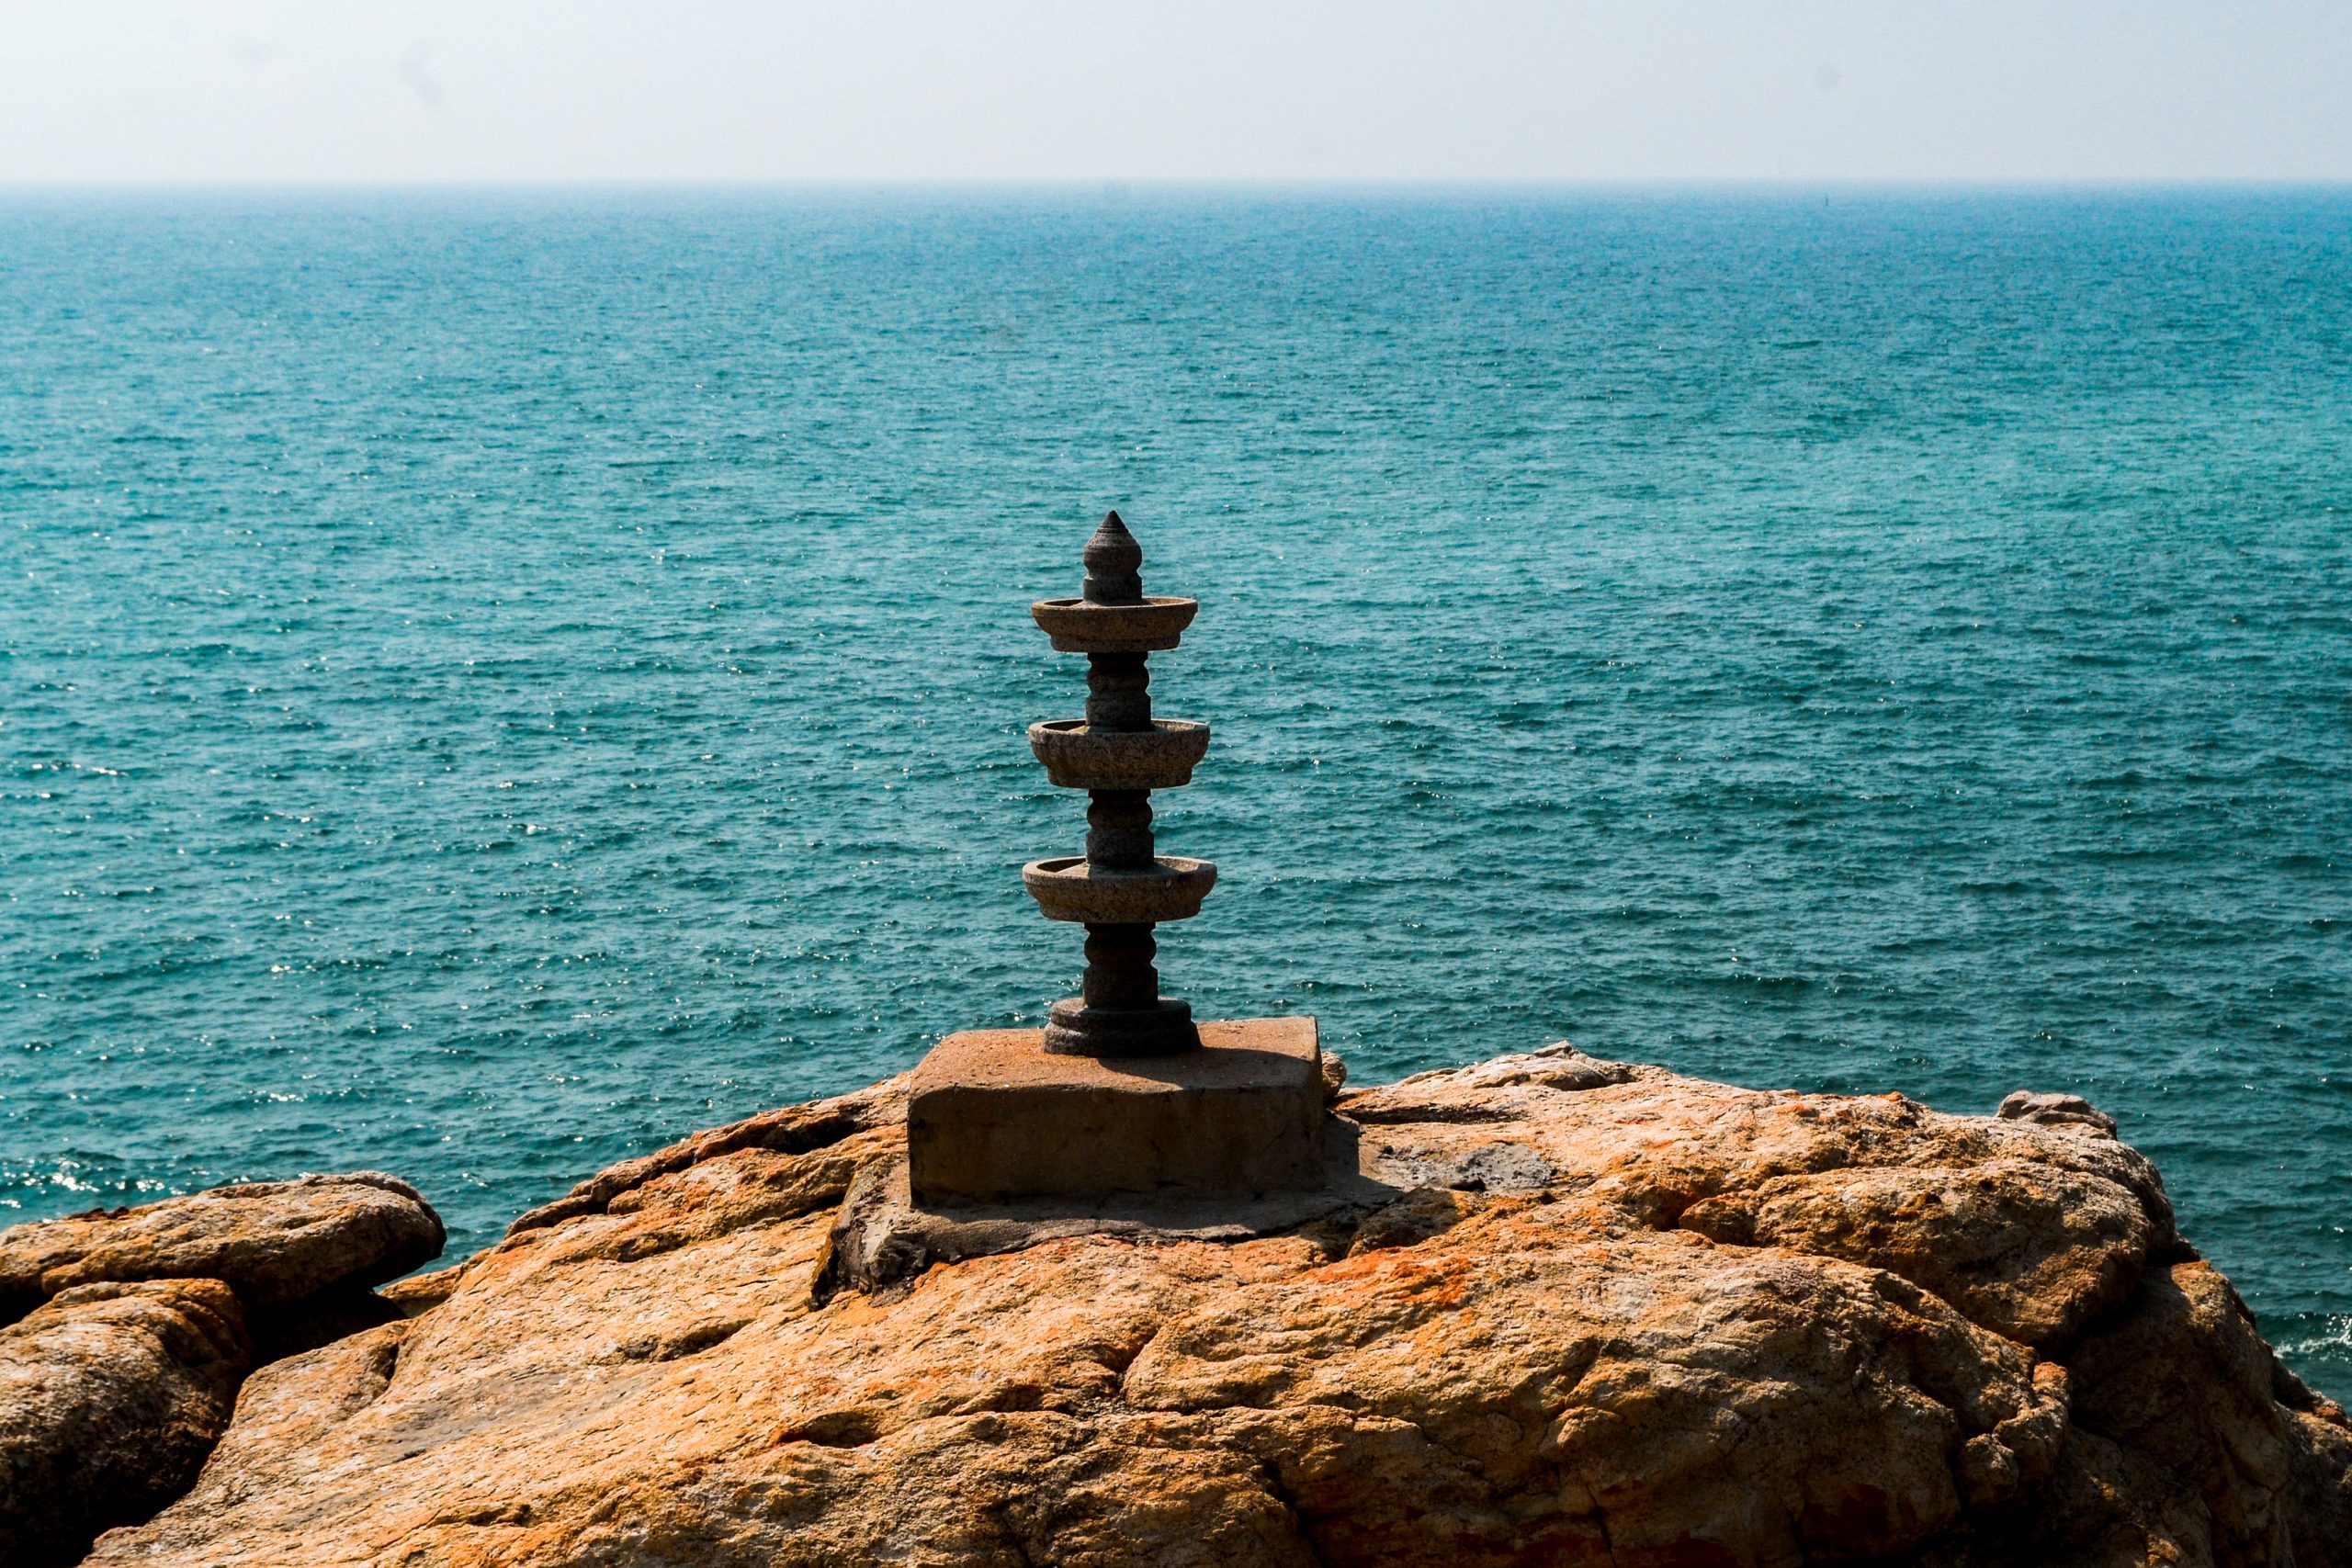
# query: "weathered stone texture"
[[1581, 1313], [110, 1397], [133, 1327], [271, 1242], [2029, 1250], [992, 1116]]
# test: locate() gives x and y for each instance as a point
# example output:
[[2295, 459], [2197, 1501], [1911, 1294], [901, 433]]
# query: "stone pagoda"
[[1118, 754], [1121, 1094]]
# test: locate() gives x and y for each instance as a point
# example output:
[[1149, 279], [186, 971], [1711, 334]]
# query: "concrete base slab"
[[991, 1118]]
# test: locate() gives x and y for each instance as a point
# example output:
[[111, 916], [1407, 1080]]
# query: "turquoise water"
[[490, 683]]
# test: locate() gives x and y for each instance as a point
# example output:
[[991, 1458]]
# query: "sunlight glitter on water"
[[496, 683]]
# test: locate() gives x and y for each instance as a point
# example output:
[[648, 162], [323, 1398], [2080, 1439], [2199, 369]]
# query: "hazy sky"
[[346, 90]]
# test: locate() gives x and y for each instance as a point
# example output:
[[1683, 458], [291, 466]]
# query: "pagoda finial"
[[1114, 565]]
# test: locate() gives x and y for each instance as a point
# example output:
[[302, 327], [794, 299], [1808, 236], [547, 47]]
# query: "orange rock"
[[273, 1243], [110, 1397], [1564, 1312], [2030, 1250]]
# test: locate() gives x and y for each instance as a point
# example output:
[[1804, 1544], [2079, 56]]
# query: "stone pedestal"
[[991, 1116]]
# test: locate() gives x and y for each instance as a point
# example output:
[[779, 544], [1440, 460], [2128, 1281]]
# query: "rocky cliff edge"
[[1555, 1311]]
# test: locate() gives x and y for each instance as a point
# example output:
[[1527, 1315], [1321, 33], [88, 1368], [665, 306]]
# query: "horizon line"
[[1116, 184]]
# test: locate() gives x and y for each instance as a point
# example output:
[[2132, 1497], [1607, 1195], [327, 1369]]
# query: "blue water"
[[490, 683]]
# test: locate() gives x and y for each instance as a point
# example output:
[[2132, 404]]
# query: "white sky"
[[353, 91]]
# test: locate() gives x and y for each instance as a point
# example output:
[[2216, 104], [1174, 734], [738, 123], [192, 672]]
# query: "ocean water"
[[491, 682]]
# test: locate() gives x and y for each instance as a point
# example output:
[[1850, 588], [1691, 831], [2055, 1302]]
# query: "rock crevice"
[[129, 1331]]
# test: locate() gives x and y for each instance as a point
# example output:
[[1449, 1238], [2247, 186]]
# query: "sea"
[[492, 681]]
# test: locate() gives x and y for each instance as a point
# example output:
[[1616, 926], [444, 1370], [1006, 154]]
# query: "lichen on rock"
[[1553, 1310]]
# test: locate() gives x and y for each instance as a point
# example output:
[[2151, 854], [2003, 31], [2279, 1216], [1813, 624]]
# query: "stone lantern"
[[1121, 1094], [1118, 754]]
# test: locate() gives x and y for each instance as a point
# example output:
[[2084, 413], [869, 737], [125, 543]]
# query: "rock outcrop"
[[273, 1243], [110, 1397], [129, 1331], [1555, 1311], [2056, 1110]]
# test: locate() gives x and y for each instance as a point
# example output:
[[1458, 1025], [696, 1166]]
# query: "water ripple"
[[490, 683]]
